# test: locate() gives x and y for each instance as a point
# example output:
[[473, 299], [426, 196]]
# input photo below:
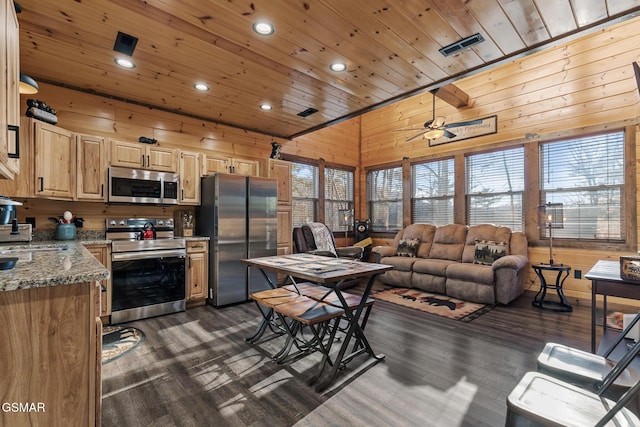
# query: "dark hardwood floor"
[[195, 369]]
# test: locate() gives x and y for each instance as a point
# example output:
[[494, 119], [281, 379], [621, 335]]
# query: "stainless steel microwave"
[[143, 186]]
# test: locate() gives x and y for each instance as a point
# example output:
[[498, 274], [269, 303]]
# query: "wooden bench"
[[294, 310]]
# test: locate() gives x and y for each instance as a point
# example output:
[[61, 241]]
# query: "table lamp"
[[550, 217]]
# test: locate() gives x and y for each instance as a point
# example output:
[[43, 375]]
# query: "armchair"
[[316, 238]]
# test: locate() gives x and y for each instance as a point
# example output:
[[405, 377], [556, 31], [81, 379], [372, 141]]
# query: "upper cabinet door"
[[162, 159], [136, 155], [55, 161], [91, 168], [127, 154], [245, 167], [189, 178], [215, 163], [9, 91]]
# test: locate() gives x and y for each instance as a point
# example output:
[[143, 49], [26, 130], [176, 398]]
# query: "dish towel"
[[323, 238]]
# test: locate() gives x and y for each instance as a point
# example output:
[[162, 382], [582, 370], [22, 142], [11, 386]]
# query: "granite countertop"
[[43, 264]]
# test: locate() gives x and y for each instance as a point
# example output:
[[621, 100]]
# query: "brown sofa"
[[447, 262]]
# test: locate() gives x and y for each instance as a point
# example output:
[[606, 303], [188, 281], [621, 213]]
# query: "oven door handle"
[[128, 256]]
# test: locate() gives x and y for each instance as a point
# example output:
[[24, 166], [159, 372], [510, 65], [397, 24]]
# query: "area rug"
[[441, 305], [118, 341]]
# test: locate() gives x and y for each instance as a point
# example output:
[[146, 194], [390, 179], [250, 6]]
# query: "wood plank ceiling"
[[390, 47]]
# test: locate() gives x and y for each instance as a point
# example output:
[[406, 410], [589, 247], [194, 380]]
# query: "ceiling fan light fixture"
[[124, 63], [28, 85], [434, 133], [264, 28]]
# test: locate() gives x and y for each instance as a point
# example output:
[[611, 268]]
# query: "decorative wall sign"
[[488, 126]]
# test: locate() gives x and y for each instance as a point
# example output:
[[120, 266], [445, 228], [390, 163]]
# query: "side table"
[[539, 300]]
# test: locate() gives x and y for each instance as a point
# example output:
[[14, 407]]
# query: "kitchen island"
[[51, 335]]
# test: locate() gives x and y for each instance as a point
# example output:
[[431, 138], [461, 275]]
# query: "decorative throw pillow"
[[408, 247], [487, 251]]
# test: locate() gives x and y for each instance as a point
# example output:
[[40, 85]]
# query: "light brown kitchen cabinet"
[[91, 168], [50, 351], [102, 251], [143, 156], [212, 163], [55, 161], [281, 171], [189, 178], [285, 230], [9, 91], [197, 272]]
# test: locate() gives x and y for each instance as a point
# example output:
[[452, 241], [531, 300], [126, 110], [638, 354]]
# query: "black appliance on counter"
[[10, 230], [147, 268]]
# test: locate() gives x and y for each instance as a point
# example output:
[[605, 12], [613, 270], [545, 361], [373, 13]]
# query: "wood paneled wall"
[[94, 115], [584, 84]]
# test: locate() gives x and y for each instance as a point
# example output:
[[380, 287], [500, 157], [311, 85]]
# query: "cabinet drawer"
[[195, 247]]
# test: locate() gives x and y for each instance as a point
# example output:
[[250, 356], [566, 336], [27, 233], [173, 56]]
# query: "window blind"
[[384, 195], [338, 195], [494, 188], [432, 192], [586, 175], [304, 192]]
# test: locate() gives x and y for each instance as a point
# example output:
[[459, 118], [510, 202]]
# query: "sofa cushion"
[[484, 232], [488, 251], [423, 232], [476, 273], [399, 263], [448, 242], [408, 247], [437, 267]]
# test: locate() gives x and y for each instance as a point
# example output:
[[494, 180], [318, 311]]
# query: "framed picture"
[[488, 126]]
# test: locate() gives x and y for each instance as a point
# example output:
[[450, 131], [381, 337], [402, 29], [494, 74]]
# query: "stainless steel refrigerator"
[[239, 214]]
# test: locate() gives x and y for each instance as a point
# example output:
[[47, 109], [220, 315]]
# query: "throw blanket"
[[323, 238]]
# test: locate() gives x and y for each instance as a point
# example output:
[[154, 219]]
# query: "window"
[[384, 195], [494, 188], [304, 192], [338, 199], [433, 188], [586, 175]]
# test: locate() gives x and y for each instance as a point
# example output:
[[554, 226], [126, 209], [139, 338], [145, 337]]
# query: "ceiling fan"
[[437, 126]]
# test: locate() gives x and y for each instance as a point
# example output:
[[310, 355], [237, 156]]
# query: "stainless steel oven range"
[[147, 268]]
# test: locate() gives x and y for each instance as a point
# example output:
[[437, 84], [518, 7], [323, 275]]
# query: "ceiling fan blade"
[[415, 136], [449, 134], [460, 124]]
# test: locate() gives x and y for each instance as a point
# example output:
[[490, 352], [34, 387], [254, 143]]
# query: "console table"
[[606, 281]]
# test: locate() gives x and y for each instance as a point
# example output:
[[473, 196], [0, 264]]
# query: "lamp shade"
[[28, 86], [434, 133]]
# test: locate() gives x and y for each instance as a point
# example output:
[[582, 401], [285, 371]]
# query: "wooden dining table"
[[330, 273]]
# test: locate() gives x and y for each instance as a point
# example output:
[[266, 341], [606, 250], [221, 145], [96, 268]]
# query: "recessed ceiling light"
[[124, 63], [202, 87], [263, 28], [266, 107], [338, 66]]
